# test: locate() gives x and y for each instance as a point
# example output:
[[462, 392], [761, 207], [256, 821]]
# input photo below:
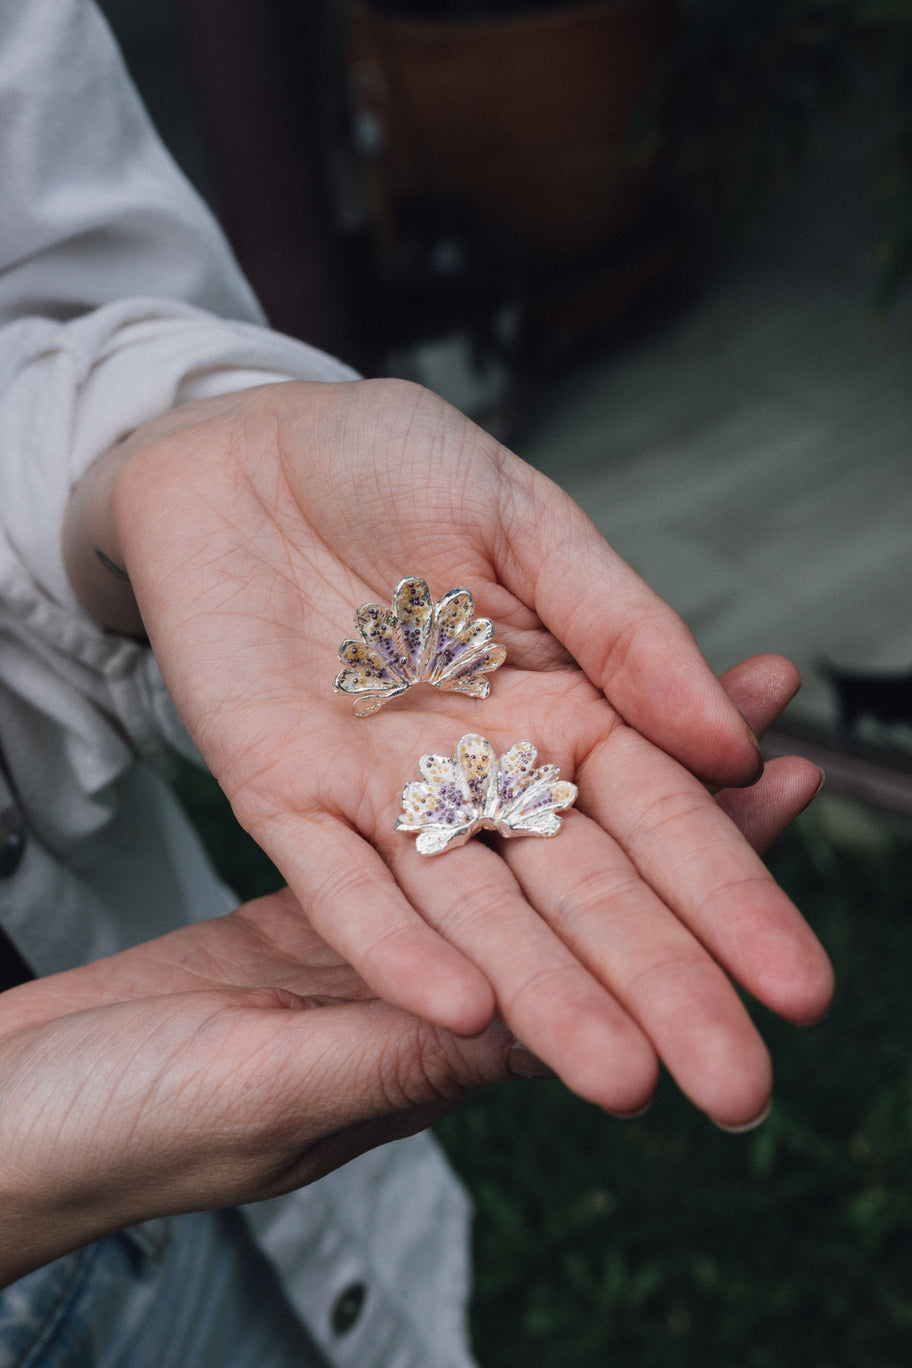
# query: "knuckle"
[[592, 895], [563, 983], [417, 1070], [341, 885], [668, 811], [670, 982]]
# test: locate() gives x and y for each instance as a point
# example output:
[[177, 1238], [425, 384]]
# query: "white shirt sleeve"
[[93, 210], [119, 299]]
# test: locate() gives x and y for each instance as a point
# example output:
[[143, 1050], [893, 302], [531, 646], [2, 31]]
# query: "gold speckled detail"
[[418, 642], [474, 792], [476, 759]]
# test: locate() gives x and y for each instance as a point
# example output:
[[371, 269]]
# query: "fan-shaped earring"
[[474, 791], [417, 641]]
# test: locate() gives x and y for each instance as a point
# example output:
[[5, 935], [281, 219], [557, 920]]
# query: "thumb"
[[379, 1074], [630, 643]]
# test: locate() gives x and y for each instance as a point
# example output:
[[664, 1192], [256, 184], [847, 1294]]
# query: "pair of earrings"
[[418, 641]]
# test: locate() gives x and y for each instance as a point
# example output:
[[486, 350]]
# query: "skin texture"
[[231, 1060], [253, 525], [241, 1057], [244, 1056]]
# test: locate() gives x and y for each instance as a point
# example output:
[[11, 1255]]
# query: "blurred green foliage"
[[664, 1243], [238, 858]]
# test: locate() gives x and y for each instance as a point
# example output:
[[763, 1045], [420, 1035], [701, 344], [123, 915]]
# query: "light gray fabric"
[[92, 210]]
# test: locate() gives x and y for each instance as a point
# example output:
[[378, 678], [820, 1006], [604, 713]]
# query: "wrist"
[[93, 535], [92, 552], [47, 1207]]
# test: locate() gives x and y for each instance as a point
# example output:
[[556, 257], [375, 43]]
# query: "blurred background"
[[663, 249]]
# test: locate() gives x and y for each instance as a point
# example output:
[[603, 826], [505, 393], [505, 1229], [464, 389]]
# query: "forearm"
[[35, 1232], [44, 1211]]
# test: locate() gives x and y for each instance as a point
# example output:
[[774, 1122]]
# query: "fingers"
[[630, 643], [761, 688], [591, 895], [550, 1000], [763, 811], [353, 901], [598, 958], [368, 1074], [452, 938], [694, 858]]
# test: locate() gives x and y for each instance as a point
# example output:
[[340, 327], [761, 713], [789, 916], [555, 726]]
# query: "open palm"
[[253, 526]]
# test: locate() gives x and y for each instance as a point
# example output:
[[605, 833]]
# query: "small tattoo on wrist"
[[108, 564]]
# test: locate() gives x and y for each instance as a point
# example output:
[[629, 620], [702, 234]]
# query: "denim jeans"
[[188, 1292]]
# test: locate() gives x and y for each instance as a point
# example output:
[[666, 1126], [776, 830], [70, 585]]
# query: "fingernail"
[[632, 1115], [820, 783], [524, 1064], [752, 737], [747, 1125]]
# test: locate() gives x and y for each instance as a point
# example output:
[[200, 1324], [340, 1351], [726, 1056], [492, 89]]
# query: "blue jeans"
[[188, 1292]]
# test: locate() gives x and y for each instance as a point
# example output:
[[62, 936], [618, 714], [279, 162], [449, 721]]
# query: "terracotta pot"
[[527, 119]]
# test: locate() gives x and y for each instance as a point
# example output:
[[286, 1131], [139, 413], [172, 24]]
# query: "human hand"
[[232, 1060], [254, 525]]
